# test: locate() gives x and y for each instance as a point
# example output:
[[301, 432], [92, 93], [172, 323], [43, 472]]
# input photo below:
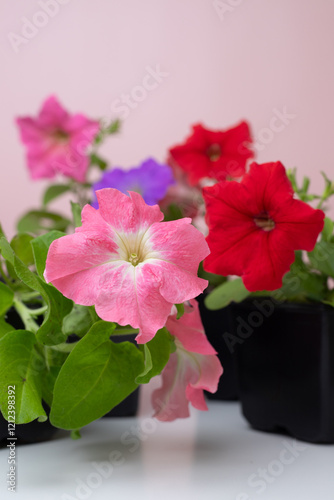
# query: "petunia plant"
[[150, 179], [278, 244], [206, 157], [261, 226], [66, 297], [61, 145]]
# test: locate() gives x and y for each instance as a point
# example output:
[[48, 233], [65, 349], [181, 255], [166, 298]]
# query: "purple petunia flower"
[[151, 179]]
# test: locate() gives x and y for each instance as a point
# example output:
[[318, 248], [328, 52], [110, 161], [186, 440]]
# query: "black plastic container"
[[216, 324], [33, 432], [128, 407], [285, 361]]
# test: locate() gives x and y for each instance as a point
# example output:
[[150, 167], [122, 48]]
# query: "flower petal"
[[126, 214], [183, 380], [78, 252], [175, 241], [52, 114], [189, 330], [130, 296]]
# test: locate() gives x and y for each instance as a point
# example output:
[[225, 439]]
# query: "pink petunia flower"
[[194, 367], [57, 142], [128, 263]]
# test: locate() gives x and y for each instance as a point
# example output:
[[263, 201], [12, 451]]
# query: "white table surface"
[[213, 455]]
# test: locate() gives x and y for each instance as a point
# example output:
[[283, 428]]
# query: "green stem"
[[79, 191], [27, 296], [45, 354], [37, 312], [63, 347], [323, 199], [25, 314], [4, 277]]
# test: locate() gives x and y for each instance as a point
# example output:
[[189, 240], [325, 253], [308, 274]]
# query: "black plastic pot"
[[216, 324], [33, 432], [128, 407], [285, 362]]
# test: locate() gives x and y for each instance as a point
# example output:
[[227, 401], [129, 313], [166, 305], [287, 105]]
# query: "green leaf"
[[98, 161], [173, 212], [322, 258], [97, 375], [8, 254], [75, 434], [180, 310], [50, 333], [114, 127], [300, 284], [6, 250], [306, 184], [328, 186], [6, 298], [79, 321], [213, 279], [291, 173], [54, 191], [156, 355], [41, 221], [48, 383], [223, 295], [18, 368], [76, 213], [148, 364], [5, 328], [328, 229], [21, 246], [40, 248], [2, 234]]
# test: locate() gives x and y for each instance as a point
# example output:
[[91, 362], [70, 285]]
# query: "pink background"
[[256, 57]]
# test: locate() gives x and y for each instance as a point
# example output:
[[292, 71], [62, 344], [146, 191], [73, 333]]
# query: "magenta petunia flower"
[[151, 179], [128, 263], [194, 367], [57, 142]]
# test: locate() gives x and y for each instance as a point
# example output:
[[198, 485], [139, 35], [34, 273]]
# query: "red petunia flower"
[[215, 154], [256, 225]]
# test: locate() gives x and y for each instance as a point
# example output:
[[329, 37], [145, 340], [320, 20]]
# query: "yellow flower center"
[[134, 259], [135, 247]]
